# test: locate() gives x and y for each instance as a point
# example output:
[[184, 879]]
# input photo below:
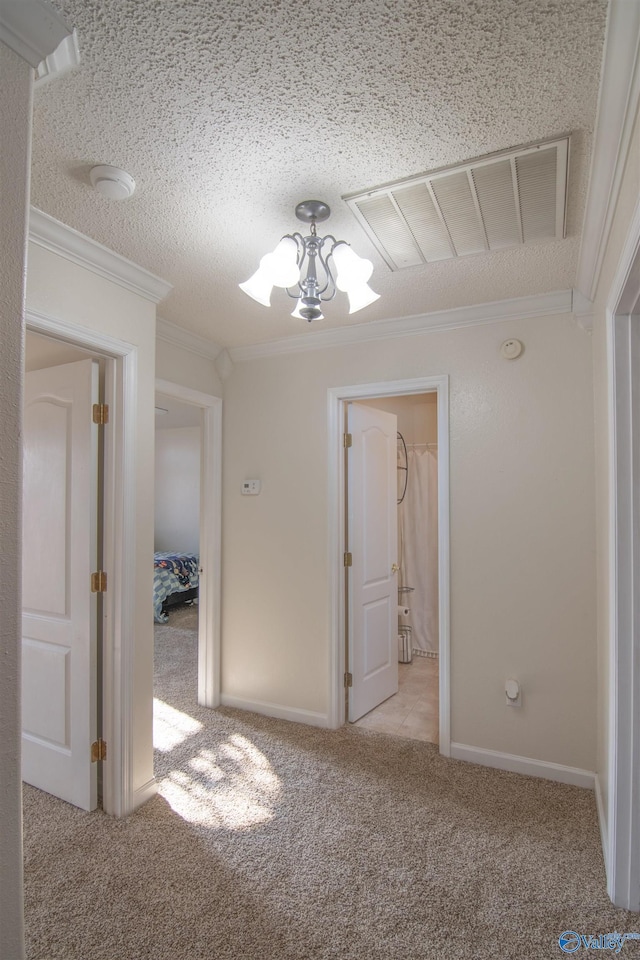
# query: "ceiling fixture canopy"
[[312, 269]]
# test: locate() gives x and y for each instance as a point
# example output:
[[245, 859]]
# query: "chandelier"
[[311, 269]]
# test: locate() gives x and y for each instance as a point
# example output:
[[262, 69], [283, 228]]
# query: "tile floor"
[[413, 711]]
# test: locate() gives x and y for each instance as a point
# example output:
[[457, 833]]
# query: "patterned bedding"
[[172, 573]]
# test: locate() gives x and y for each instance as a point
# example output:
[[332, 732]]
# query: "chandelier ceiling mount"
[[313, 211]]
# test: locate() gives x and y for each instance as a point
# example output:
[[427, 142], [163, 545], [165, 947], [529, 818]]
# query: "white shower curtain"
[[419, 548]]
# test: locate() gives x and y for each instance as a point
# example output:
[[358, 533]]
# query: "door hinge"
[[99, 582], [347, 439], [101, 413], [98, 750], [348, 560], [348, 679]]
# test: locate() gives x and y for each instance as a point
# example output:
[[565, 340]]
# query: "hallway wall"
[[59, 288], [522, 532]]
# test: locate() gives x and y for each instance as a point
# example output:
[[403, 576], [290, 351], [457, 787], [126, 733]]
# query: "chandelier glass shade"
[[312, 269]]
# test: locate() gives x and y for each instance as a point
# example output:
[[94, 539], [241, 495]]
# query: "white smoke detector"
[[112, 182], [511, 349]]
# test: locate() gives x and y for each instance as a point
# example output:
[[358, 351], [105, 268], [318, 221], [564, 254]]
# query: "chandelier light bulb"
[[281, 266], [352, 269], [259, 286], [302, 306], [361, 296]]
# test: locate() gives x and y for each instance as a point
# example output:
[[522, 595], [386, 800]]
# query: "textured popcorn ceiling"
[[227, 114]]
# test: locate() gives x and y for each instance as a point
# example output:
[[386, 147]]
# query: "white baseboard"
[[145, 792], [531, 768], [276, 710], [602, 820]]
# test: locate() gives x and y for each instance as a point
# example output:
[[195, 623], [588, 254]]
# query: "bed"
[[175, 579]]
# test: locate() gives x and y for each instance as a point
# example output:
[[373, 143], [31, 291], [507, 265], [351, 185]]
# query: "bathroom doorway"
[[426, 398], [413, 710]]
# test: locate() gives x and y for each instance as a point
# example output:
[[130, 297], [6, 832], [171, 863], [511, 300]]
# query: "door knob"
[[394, 568]]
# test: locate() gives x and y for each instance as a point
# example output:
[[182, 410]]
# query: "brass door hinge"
[[348, 679], [348, 560], [98, 750], [99, 582], [347, 439], [101, 413]]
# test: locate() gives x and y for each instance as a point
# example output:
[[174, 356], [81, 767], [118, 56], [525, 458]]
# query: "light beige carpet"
[[274, 840]]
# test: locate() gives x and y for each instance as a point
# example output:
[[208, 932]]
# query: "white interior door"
[[373, 543], [59, 615]]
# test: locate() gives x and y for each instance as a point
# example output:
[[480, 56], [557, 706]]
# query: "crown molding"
[[224, 364], [58, 238], [583, 311], [518, 308], [185, 340], [65, 57], [617, 109], [33, 30]]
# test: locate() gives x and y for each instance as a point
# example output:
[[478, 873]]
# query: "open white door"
[[59, 616], [373, 544]]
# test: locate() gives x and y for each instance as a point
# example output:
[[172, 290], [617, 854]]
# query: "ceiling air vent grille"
[[505, 200]]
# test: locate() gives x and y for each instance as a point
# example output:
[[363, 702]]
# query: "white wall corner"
[[185, 340], [224, 364], [617, 108], [35, 30], [582, 309], [66, 242]]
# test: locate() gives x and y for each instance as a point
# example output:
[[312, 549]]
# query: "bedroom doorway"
[[188, 518], [176, 566]]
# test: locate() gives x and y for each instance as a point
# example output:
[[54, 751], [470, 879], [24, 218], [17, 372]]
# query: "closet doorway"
[[412, 711], [425, 398]]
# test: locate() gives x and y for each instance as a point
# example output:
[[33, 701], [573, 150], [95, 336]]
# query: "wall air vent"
[[504, 200]]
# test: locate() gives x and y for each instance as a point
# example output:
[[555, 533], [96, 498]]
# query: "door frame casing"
[[210, 527], [337, 398], [621, 832], [119, 512]]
